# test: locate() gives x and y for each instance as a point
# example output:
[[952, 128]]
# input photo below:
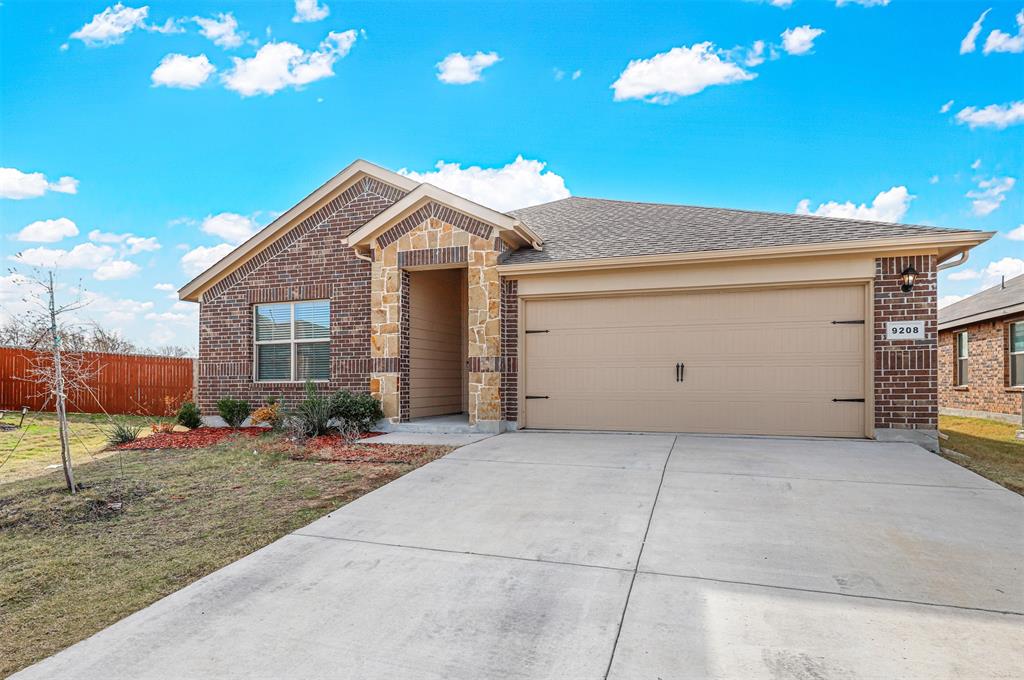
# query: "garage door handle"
[[861, 401], [680, 371]]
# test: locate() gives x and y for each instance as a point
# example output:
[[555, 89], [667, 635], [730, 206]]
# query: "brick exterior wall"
[[906, 386], [310, 262], [988, 369], [510, 349]]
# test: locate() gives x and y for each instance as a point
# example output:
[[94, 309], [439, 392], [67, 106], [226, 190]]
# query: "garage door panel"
[[767, 362]]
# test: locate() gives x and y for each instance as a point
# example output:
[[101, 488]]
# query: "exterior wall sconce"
[[907, 279]]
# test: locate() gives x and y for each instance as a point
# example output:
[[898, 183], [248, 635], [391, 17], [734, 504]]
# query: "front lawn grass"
[[148, 523], [40, 446], [987, 447]]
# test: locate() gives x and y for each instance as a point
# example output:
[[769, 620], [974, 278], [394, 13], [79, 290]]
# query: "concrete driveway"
[[551, 555]]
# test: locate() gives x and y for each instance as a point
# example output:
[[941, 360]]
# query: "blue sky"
[[180, 127]]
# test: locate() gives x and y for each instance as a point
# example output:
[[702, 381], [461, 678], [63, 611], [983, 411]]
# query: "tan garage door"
[[754, 362]]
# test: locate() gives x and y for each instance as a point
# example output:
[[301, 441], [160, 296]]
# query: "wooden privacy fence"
[[122, 383]]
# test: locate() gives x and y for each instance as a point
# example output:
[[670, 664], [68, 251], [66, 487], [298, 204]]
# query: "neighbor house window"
[[1017, 354], [961, 359], [293, 341]]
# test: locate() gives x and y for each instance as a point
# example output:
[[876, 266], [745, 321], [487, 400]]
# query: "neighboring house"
[[581, 313], [981, 353]]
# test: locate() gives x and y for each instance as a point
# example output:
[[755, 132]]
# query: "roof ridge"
[[771, 213]]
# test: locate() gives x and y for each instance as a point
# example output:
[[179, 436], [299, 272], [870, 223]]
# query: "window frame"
[[292, 341], [958, 371], [1010, 354]]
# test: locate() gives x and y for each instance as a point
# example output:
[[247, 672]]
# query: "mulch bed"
[[333, 449], [193, 439]]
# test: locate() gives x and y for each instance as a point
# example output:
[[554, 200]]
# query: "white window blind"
[[293, 341]]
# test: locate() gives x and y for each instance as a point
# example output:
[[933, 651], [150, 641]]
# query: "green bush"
[[233, 411], [312, 415], [360, 411], [121, 432], [188, 415]]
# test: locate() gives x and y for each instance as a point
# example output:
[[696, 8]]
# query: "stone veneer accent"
[[906, 389], [309, 262], [988, 369], [441, 236]]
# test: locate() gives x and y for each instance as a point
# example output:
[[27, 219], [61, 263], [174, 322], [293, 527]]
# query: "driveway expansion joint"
[[460, 552], [639, 556], [627, 468], [1006, 612], [838, 481]]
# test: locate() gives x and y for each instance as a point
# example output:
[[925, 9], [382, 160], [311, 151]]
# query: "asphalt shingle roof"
[[586, 228], [988, 304]]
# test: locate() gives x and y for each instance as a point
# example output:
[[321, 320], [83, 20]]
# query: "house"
[[581, 313], [981, 354]]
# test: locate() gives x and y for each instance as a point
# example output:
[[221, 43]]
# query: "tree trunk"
[[58, 389]]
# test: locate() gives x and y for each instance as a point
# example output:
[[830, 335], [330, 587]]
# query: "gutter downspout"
[[964, 254]]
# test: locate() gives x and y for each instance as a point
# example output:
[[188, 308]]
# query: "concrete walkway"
[[551, 555]]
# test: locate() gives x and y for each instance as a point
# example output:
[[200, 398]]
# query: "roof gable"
[[315, 205]]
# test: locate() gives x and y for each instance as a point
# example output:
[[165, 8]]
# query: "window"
[[293, 341], [961, 359], [1017, 354]]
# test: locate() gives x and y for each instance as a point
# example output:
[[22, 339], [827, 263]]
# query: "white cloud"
[[998, 41], [800, 40], [863, 3], [976, 164], [934, 179], [167, 287], [116, 270], [1016, 234], [1008, 267], [990, 194], [680, 72], [998, 116], [458, 69], [946, 107], [310, 10], [110, 26], [279, 65], [888, 206], [198, 260], [106, 236], [558, 73], [18, 185], [82, 256], [231, 227], [221, 29], [755, 55], [179, 70], [577, 73], [516, 185], [967, 45], [780, 3], [965, 275], [130, 243], [946, 300], [48, 231]]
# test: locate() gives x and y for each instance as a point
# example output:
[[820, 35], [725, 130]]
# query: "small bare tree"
[[59, 373]]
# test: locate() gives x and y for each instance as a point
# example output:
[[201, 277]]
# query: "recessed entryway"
[[437, 342]]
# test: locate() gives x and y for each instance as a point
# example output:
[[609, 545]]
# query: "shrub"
[[233, 411], [269, 414], [188, 415], [312, 416], [121, 432], [360, 411]]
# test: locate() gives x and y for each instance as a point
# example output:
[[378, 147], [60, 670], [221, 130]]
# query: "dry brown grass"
[[988, 447]]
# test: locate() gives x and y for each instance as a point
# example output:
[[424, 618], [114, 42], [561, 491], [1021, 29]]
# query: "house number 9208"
[[904, 330]]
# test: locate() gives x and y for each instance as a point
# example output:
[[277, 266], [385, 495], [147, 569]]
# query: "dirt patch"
[[337, 451]]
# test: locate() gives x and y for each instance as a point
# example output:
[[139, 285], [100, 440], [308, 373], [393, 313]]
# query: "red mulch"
[[193, 439]]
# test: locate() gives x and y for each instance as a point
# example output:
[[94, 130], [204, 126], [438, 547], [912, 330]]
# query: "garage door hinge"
[[533, 396], [528, 332], [854, 321], [856, 400]]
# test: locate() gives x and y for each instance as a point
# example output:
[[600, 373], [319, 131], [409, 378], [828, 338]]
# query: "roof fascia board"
[[882, 247], [264, 237]]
